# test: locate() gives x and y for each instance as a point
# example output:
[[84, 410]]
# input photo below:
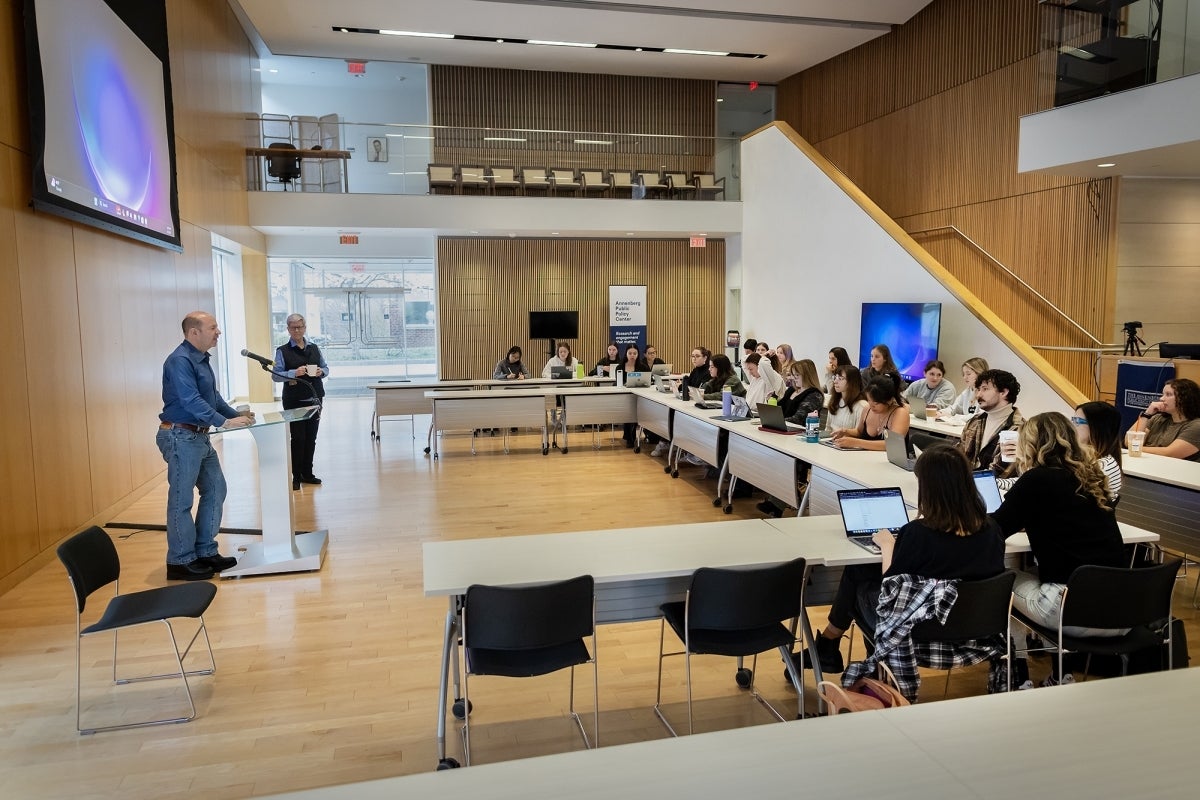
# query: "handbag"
[[865, 694]]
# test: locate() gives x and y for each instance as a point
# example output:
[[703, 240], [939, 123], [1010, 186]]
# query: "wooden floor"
[[331, 677]]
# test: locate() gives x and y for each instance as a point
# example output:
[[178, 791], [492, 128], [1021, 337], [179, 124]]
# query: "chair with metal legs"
[[92, 563], [527, 631], [737, 612]]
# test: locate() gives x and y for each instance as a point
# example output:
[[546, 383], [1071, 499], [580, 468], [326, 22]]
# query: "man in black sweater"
[[300, 367]]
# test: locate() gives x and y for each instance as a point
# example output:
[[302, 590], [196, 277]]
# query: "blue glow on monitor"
[[910, 330]]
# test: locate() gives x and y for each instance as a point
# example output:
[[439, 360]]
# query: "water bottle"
[[812, 427], [578, 369], [620, 379], [727, 401], [772, 400]]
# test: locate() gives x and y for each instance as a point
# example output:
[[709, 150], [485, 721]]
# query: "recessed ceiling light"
[[679, 51], [418, 34], [502, 139], [720, 99], [554, 233], [552, 43], [1111, 164], [272, 71], [591, 141]]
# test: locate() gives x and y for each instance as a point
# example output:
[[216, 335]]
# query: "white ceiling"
[[792, 34]]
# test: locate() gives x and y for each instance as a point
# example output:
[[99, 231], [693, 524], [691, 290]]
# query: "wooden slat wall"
[[86, 316], [478, 97], [926, 122], [487, 287]]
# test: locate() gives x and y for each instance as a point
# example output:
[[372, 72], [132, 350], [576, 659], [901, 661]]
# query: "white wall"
[[811, 256]]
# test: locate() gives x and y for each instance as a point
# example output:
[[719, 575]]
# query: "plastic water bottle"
[[578, 369], [620, 379], [772, 400], [727, 401], [812, 427]]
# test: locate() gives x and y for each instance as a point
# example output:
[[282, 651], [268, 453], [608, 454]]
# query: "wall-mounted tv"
[[554, 325], [910, 330], [100, 115]]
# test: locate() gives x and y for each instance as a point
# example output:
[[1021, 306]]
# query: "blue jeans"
[[192, 464]]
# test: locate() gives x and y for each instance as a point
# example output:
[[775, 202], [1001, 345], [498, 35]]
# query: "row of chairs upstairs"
[[568, 181]]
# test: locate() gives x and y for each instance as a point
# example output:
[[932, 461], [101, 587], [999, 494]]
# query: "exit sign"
[[348, 238], [698, 241]]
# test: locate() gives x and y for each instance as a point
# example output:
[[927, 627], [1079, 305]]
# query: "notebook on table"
[[865, 511], [559, 373], [901, 451], [772, 419], [918, 407], [989, 490], [637, 380]]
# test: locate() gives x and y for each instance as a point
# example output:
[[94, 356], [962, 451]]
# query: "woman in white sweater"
[[764, 380], [934, 389], [964, 405], [563, 359], [847, 403]]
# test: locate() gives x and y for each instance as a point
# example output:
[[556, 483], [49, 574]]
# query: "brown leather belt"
[[166, 426]]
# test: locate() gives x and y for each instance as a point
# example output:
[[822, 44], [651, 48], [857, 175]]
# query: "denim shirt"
[[190, 390]]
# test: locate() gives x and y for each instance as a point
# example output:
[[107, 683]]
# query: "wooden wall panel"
[[926, 122], [487, 287], [477, 98]]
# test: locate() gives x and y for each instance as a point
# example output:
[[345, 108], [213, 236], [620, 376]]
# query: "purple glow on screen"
[[910, 330]]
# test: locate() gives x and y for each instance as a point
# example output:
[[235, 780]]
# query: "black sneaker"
[[770, 509], [829, 652], [313, 479], [219, 563], [198, 570]]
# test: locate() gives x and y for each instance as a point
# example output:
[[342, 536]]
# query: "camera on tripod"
[[1133, 342]]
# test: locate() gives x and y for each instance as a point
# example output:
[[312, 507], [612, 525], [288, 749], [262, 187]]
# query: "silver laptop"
[[696, 394], [865, 511], [918, 408], [661, 369], [637, 380], [739, 411], [831, 443], [989, 490], [900, 451], [772, 419]]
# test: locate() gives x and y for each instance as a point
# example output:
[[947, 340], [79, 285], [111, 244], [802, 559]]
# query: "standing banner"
[[1139, 383], [627, 316]]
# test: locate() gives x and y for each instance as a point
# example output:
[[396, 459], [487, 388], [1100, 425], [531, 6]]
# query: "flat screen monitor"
[[554, 325], [910, 330], [1169, 350], [100, 115]]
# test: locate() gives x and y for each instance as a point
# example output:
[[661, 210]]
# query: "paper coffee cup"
[[1136, 440], [1004, 438]]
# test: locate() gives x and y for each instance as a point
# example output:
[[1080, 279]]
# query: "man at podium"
[[191, 407]]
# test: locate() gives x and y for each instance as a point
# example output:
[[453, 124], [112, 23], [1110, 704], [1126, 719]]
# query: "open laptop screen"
[[865, 511], [985, 484]]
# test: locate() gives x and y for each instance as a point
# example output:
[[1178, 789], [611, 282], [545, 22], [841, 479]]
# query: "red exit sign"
[[698, 241]]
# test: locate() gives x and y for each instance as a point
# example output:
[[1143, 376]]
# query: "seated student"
[[951, 538], [803, 393], [563, 359], [882, 366], [699, 375], [1172, 423], [633, 362], [1062, 502], [996, 393], [934, 389], [764, 380], [510, 367], [721, 377], [838, 357], [1098, 425], [964, 404], [652, 356], [786, 357], [764, 350], [886, 415], [611, 356], [847, 404]]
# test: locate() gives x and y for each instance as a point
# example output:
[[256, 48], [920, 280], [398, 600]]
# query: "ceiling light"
[[419, 34], [558, 44], [720, 99], [554, 233], [591, 141], [501, 139], [682, 52], [1106, 165]]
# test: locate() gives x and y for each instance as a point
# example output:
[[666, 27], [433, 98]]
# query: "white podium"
[[281, 549]]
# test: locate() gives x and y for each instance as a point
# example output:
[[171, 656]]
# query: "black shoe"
[[313, 479], [629, 443], [770, 509], [829, 653], [219, 563], [198, 570], [295, 484]]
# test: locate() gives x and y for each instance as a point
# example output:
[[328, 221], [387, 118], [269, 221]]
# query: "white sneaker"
[[688, 458], [1025, 685], [660, 450], [1066, 680]]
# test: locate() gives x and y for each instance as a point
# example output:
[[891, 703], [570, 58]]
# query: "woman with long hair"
[[934, 389], [699, 375], [765, 382], [964, 404], [838, 357], [720, 377], [1063, 504], [1098, 425], [786, 357], [803, 394], [882, 366], [510, 367], [1172, 423], [951, 538], [562, 359], [886, 416], [612, 356], [847, 405]]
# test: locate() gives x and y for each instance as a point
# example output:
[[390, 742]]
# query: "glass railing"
[[392, 158], [1096, 47]]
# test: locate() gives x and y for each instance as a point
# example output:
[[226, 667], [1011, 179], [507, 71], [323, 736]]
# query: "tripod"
[[1133, 342]]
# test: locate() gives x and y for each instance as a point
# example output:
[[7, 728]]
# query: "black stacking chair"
[[528, 631], [285, 166], [983, 609], [1111, 597], [92, 563], [736, 612]]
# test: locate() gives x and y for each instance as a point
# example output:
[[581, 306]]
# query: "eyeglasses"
[[839, 377], [1079, 420]]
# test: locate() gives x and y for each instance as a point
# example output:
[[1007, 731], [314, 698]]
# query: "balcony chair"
[[284, 166], [566, 181], [535, 180], [679, 186], [592, 180], [708, 186], [442, 176], [471, 178], [503, 178]]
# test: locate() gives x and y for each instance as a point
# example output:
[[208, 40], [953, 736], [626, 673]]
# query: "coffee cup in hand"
[[1008, 445]]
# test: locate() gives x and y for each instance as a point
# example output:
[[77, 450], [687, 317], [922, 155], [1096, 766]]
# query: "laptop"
[[901, 452], [918, 408], [739, 411], [696, 394], [772, 420], [865, 511], [989, 490], [831, 443], [637, 380], [661, 369], [560, 373]]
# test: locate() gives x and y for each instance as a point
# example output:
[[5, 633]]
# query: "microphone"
[[266, 362]]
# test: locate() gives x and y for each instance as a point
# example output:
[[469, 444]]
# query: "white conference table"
[[1108, 739], [636, 570]]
